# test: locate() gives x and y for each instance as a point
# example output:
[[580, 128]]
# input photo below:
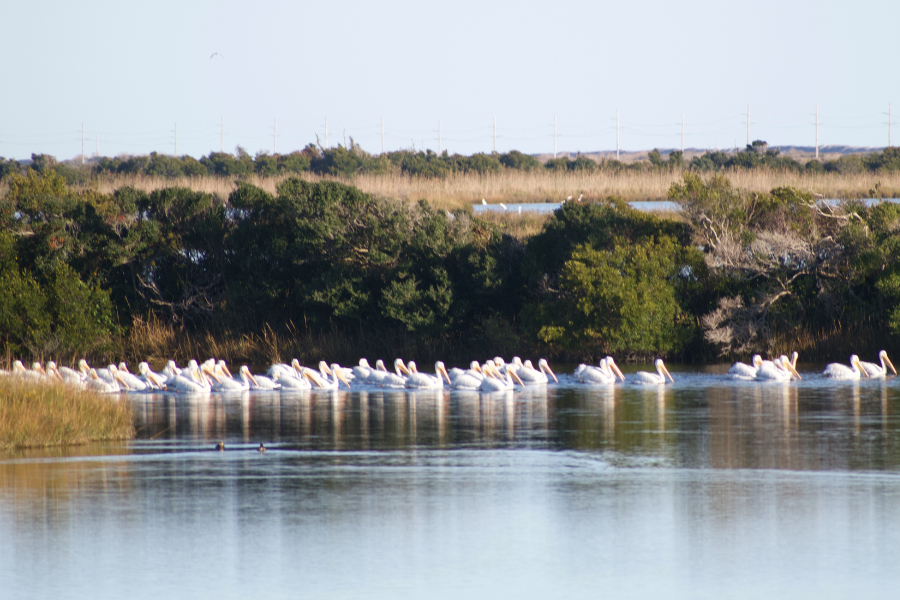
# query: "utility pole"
[[382, 135], [554, 136], [817, 132], [82, 143], [98, 145], [748, 124], [275, 138], [326, 132], [176, 140], [889, 124], [617, 134], [495, 135], [682, 135], [440, 150], [223, 135]]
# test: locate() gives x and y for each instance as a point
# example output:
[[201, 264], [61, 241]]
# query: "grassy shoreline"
[[463, 189], [44, 415]]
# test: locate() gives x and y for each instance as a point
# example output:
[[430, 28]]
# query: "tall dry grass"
[[156, 341], [36, 415], [464, 189], [837, 343]]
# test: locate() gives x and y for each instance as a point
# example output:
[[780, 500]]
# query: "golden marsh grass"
[[510, 186], [37, 415]]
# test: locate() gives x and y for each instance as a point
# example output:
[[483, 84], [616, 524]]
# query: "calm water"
[[546, 207], [648, 205], [704, 489]]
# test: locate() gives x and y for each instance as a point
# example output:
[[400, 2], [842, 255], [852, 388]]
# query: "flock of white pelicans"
[[785, 369], [495, 375]]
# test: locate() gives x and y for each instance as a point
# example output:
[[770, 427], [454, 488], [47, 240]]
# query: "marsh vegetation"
[[270, 267], [45, 414]]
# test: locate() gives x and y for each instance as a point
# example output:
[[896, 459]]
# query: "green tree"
[[516, 160], [619, 300]]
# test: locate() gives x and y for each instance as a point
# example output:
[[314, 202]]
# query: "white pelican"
[[532, 376], [97, 384], [740, 370], [171, 370], [839, 371], [456, 371], [392, 380], [467, 379], [33, 375], [495, 382], [288, 380], [110, 374], [605, 373], [779, 369], [84, 368], [658, 378], [228, 383], [195, 382], [362, 371], [347, 372], [875, 370], [377, 374], [131, 381], [68, 376], [420, 381], [154, 380], [336, 371], [259, 383], [282, 371]]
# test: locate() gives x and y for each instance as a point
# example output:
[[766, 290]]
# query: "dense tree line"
[[346, 162], [740, 270]]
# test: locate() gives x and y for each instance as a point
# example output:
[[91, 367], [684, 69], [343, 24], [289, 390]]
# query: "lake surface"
[[707, 488], [547, 207], [646, 205]]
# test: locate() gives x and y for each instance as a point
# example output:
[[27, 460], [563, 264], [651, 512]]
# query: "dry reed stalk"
[[46, 414]]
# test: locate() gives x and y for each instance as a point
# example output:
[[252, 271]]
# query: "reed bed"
[[837, 343], [38, 415], [463, 189], [156, 342]]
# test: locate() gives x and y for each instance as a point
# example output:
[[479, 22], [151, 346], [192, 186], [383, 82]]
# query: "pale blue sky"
[[130, 72]]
